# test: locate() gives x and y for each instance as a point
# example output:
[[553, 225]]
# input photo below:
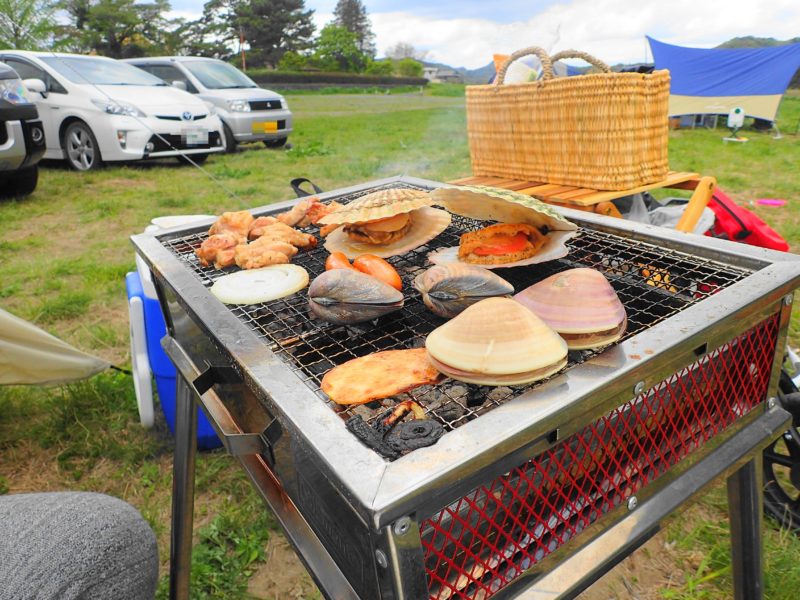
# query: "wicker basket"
[[605, 131]]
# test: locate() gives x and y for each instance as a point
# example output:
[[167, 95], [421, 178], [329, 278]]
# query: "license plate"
[[265, 126], [196, 137]]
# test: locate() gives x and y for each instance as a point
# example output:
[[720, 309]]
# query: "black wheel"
[[21, 183], [782, 465], [230, 141], [279, 143], [197, 159], [80, 147]]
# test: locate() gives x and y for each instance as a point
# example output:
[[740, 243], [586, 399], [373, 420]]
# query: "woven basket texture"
[[604, 131]]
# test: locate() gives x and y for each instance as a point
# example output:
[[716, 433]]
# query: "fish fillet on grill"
[[379, 375]]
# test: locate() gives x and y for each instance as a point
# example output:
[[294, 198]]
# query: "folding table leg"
[[180, 555], [744, 511]]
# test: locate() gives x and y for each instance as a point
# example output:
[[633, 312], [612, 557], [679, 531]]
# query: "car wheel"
[[230, 141], [279, 143], [197, 159], [22, 183], [80, 147]]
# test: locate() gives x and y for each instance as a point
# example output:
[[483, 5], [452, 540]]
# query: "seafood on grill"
[[499, 247], [449, 289], [379, 375], [345, 297], [580, 305], [260, 285], [496, 341], [385, 223]]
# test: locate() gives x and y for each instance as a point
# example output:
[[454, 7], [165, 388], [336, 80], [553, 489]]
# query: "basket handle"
[[583, 56], [547, 65]]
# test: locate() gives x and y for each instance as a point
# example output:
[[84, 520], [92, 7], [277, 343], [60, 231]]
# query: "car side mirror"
[[35, 85], [181, 85]]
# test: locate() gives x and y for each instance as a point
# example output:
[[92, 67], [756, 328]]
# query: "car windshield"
[[99, 71], [218, 75]]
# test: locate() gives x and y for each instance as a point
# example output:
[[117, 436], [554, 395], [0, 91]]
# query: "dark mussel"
[[344, 297]]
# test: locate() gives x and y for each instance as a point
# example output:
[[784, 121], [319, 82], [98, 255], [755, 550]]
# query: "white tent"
[[29, 355]]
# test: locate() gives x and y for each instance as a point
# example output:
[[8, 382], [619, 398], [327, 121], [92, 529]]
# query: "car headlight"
[[238, 105], [113, 107], [12, 90]]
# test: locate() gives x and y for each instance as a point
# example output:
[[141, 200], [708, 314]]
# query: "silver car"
[[248, 112]]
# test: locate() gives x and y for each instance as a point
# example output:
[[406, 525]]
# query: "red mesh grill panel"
[[482, 542]]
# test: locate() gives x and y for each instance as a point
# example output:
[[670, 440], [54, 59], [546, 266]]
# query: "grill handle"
[[234, 440]]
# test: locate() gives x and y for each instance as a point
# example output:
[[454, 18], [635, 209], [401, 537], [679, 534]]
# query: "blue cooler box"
[[162, 367]]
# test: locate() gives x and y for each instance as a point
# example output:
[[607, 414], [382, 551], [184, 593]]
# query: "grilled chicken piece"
[[298, 215], [218, 249], [262, 253], [281, 232], [233, 222], [259, 226]]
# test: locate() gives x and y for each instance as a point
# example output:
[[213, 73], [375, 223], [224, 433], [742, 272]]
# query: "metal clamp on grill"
[[532, 491]]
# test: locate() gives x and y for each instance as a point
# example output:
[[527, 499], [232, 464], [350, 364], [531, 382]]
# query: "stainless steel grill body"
[[524, 483]]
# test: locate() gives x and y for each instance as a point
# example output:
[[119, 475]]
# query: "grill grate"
[[653, 283], [483, 541]]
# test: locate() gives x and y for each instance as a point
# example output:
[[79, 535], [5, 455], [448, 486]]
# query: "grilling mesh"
[[483, 541], [653, 284]]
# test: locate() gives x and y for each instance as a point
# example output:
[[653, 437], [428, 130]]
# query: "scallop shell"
[[496, 341], [426, 224], [504, 206], [577, 302], [345, 296], [449, 289], [378, 205]]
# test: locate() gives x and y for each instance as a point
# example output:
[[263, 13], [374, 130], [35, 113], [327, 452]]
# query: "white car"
[[249, 113], [97, 110]]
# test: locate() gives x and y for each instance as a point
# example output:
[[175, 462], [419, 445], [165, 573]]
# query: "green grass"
[[66, 250]]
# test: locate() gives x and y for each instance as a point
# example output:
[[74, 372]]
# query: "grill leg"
[[180, 554], [744, 511]]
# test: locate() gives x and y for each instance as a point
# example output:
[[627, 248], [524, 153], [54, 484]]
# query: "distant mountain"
[[756, 42], [481, 75]]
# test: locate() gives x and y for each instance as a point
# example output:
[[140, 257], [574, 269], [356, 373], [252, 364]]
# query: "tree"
[[26, 24], [352, 15], [403, 50], [270, 27], [383, 68], [408, 67], [337, 50]]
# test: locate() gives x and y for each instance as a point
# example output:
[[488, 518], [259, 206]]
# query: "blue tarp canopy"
[[713, 81]]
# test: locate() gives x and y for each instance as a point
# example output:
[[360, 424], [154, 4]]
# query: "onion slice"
[[260, 285]]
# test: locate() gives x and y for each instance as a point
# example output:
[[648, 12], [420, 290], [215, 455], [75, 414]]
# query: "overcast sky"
[[466, 33]]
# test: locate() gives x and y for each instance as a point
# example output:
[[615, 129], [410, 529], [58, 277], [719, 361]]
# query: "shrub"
[[292, 61], [408, 67], [383, 68]]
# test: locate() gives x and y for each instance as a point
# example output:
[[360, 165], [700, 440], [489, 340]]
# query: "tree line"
[[259, 33]]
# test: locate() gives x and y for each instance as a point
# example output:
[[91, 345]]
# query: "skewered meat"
[[218, 249], [263, 253], [233, 222], [259, 226]]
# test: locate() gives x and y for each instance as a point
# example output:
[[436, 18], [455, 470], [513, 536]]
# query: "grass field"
[[66, 252]]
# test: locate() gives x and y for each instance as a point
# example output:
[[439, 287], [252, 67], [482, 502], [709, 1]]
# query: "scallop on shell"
[[485, 203], [449, 289], [426, 224], [345, 296], [579, 304], [496, 341], [378, 205]]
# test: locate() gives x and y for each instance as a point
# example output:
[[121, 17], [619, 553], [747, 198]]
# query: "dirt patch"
[[282, 576]]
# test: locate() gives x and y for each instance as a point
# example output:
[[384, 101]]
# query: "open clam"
[[496, 341], [504, 206], [449, 289], [385, 223], [344, 297], [580, 305]]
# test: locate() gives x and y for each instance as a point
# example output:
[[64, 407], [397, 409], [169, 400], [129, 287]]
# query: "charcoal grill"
[[533, 491]]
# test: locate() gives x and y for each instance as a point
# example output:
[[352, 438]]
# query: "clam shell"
[[504, 206], [344, 296], [449, 289], [426, 224], [378, 205], [497, 340], [575, 302]]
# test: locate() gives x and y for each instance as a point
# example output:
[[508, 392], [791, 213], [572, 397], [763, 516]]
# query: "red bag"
[[736, 223]]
